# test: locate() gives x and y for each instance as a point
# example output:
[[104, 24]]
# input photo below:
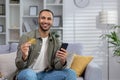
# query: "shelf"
[[13, 41], [14, 28], [2, 16], [3, 22], [18, 13], [49, 4], [2, 33], [57, 7], [30, 16], [14, 4]]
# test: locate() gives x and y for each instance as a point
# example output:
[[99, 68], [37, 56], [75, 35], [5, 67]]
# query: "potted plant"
[[114, 39]]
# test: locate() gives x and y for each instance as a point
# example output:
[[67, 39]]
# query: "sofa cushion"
[[4, 49], [13, 47], [79, 63], [7, 64], [80, 78], [75, 48]]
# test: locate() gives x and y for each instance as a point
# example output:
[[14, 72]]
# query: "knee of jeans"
[[27, 73], [71, 71]]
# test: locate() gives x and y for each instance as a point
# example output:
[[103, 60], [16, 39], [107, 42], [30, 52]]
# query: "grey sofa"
[[7, 62], [92, 71]]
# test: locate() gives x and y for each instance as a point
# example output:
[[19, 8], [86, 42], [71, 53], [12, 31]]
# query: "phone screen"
[[64, 45]]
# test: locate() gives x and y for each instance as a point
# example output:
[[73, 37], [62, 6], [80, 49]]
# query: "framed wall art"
[[33, 10], [57, 21]]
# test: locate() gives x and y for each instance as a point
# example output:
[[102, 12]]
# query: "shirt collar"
[[38, 35]]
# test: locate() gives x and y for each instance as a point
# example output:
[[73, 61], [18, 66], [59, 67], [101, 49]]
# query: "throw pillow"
[[79, 63]]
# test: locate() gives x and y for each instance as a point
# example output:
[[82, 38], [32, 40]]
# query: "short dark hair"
[[46, 10]]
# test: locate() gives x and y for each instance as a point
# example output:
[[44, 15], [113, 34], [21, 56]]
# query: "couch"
[[93, 70], [8, 48], [8, 54]]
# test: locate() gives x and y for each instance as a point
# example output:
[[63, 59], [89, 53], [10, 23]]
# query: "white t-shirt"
[[42, 61]]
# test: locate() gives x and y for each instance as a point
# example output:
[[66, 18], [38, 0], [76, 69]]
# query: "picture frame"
[[57, 21], [1, 28], [33, 10], [2, 9]]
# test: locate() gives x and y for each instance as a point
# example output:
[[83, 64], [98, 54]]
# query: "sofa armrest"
[[93, 72], [5, 61]]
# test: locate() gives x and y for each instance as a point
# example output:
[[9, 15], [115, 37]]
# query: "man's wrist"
[[64, 62], [24, 58]]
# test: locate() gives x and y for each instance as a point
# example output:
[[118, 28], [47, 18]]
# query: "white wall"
[[80, 27], [114, 65], [118, 11]]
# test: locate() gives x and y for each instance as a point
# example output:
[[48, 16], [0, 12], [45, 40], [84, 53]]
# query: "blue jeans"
[[29, 74]]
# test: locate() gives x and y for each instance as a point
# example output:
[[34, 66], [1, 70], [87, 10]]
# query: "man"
[[42, 60]]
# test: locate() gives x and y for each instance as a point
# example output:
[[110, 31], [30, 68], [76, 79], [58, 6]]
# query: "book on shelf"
[[2, 9], [23, 29], [26, 27]]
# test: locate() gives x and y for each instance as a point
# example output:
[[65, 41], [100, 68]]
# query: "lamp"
[[108, 19], [105, 20]]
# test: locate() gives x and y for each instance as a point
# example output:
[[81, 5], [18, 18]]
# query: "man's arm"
[[61, 59], [21, 60]]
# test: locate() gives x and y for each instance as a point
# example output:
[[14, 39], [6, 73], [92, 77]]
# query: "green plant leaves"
[[114, 40]]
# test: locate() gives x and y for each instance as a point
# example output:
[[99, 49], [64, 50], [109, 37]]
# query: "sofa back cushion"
[[8, 48], [4, 49], [75, 48], [71, 49], [13, 47]]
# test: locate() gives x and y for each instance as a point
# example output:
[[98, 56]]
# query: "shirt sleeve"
[[20, 63]]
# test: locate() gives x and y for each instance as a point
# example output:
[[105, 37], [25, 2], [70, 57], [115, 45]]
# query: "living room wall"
[[80, 27], [114, 65]]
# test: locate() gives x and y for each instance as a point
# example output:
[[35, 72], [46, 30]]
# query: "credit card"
[[32, 40]]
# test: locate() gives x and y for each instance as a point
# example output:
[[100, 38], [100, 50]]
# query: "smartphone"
[[64, 45]]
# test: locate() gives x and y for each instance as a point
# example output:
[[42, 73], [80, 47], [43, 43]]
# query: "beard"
[[44, 29]]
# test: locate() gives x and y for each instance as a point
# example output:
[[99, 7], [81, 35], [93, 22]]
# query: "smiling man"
[[42, 60]]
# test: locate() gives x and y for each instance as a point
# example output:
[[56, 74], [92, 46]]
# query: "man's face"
[[45, 20]]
